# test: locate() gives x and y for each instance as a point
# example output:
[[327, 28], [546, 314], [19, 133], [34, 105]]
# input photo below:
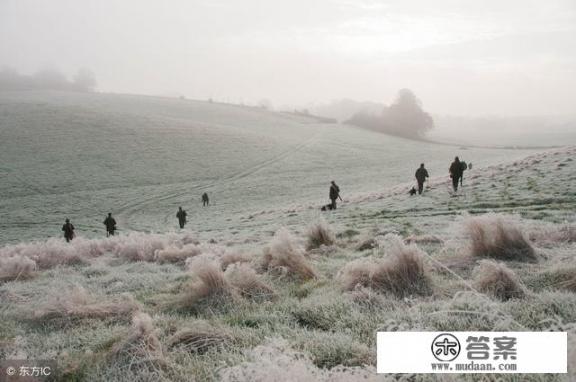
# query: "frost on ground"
[[303, 302], [78, 304]]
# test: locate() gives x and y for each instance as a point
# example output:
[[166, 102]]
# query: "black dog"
[[327, 207]]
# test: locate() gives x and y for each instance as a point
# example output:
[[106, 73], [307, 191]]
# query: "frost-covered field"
[[83, 155], [262, 286]]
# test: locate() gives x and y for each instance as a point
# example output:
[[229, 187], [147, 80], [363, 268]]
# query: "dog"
[[327, 207]]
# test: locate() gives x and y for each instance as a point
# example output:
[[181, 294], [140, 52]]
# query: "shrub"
[[497, 280], [493, 237], [284, 252], [16, 268], [319, 234]]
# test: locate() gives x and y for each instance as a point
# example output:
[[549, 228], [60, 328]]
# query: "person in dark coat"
[[181, 215], [68, 229], [205, 200], [456, 171], [421, 175], [334, 194], [110, 224]]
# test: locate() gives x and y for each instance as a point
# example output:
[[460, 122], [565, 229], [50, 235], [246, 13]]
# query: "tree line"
[[47, 79]]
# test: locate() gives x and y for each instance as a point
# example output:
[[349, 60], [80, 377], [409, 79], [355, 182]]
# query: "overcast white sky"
[[466, 57]]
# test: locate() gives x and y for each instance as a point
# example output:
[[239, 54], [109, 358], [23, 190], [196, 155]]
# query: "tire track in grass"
[[131, 210]]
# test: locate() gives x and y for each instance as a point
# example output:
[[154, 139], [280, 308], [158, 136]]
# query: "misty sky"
[[467, 57]]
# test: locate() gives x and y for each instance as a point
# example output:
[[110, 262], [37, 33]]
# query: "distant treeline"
[[47, 79], [320, 119]]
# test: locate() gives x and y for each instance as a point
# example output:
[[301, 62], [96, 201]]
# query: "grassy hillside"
[[82, 155], [304, 302]]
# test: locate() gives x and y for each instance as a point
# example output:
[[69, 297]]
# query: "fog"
[[493, 57]]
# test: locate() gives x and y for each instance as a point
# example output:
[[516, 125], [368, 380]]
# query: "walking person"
[[334, 195], [181, 215], [68, 229], [421, 175], [456, 173], [110, 224], [205, 200]]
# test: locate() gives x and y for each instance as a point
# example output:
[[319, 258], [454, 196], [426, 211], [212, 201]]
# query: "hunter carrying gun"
[[334, 195]]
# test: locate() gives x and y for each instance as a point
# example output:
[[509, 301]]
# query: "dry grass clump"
[[356, 274], [560, 277], [248, 283], [497, 280], [366, 298], [176, 255], [140, 344], [233, 258], [558, 234], [54, 252], [136, 247], [199, 338], [78, 304], [209, 289], [285, 253], [423, 239], [212, 288], [133, 247], [319, 234], [365, 244], [276, 361], [493, 237], [401, 273], [16, 268]]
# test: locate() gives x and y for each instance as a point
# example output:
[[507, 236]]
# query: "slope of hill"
[[262, 285], [248, 306], [82, 155]]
